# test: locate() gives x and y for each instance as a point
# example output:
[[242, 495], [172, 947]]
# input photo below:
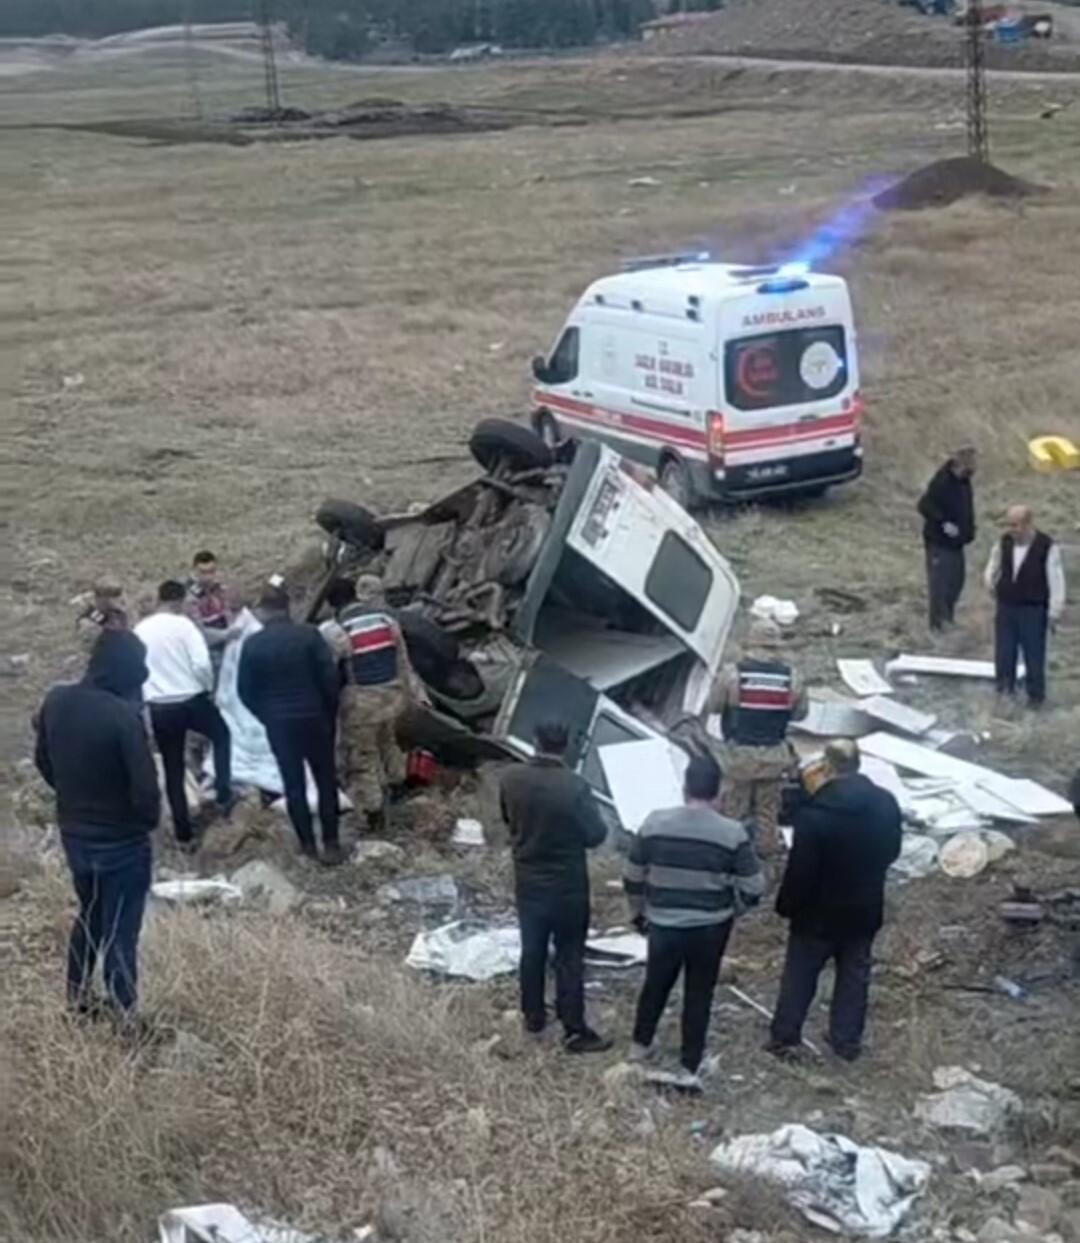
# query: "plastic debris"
[[223, 1223], [834, 1182], [771, 608], [438, 890], [468, 833], [863, 678], [918, 856], [195, 891], [964, 1102], [964, 856], [468, 950]]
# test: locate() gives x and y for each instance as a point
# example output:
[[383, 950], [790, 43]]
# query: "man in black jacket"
[[948, 510], [553, 820], [92, 749], [847, 834], [287, 679]]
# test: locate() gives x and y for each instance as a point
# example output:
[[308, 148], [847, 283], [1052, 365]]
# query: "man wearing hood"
[[847, 835], [757, 699], [92, 749]]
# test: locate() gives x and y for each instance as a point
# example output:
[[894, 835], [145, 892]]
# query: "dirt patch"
[[947, 181]]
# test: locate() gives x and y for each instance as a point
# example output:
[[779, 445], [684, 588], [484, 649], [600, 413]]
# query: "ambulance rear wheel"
[[497, 442], [676, 482]]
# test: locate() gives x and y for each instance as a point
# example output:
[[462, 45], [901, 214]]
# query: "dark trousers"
[[111, 882], [1021, 628], [806, 956], [296, 742], [546, 915], [697, 953], [172, 722], [945, 572]]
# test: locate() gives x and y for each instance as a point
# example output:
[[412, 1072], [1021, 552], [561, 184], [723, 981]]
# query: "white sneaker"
[[640, 1053]]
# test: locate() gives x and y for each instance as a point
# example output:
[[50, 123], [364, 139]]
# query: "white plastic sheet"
[[196, 891], [862, 677], [223, 1223], [834, 1182], [772, 608], [644, 776], [965, 1102]]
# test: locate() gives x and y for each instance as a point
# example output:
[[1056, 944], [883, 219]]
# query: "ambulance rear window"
[[785, 368], [679, 581]]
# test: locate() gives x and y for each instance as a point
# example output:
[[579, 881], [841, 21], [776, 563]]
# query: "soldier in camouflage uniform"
[[757, 698], [379, 682]]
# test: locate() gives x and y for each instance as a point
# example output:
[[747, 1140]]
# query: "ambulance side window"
[[564, 362]]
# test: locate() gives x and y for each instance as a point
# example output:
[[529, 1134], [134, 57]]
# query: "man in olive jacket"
[[553, 820]]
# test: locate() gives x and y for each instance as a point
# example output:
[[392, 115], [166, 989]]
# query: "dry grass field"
[[199, 342]]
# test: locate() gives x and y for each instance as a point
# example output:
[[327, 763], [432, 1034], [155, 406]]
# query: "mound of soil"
[[946, 181]]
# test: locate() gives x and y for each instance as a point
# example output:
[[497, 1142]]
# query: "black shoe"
[[784, 1052], [225, 809], [587, 1041], [332, 856], [846, 1053], [189, 846], [309, 850], [534, 1024], [376, 822]]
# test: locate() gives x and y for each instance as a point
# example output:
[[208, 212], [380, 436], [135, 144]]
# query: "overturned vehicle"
[[560, 583]]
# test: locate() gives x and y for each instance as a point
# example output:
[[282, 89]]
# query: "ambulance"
[[730, 382]]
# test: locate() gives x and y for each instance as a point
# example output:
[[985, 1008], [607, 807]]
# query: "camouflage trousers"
[[371, 760], [753, 780]]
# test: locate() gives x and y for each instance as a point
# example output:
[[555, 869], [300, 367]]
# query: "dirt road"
[[883, 71]]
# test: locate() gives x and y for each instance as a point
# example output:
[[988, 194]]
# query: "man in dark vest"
[[757, 700], [378, 682], [948, 512], [1027, 579]]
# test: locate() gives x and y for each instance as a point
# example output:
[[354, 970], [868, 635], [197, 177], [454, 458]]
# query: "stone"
[[967, 1103], [998, 1230], [431, 891], [374, 852], [1049, 1173], [1070, 1225], [747, 1236], [1038, 1207], [1003, 1176], [263, 885]]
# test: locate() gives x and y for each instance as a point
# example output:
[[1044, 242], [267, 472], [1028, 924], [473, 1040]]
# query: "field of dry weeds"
[[203, 341]]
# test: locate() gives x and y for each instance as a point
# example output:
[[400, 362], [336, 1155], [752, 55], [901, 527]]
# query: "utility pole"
[[266, 35], [978, 135], [189, 60]]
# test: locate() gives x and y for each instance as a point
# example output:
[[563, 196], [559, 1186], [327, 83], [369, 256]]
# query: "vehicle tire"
[[547, 429], [675, 480], [498, 441], [427, 639], [351, 523], [453, 744]]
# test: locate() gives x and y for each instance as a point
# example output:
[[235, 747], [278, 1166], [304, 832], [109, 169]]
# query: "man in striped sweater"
[[689, 873]]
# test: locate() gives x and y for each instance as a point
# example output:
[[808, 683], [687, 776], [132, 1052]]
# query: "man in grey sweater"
[[690, 871]]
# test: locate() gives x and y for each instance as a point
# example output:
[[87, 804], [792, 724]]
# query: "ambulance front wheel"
[[676, 482]]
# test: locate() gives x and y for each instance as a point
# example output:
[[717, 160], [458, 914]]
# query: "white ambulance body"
[[730, 382]]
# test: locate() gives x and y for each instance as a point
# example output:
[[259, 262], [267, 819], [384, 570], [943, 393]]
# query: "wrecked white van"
[[554, 585], [730, 382]]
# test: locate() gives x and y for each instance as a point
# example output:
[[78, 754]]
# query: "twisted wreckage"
[[560, 582]]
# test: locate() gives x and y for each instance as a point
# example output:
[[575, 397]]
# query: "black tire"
[[426, 638], [351, 523], [451, 743], [498, 441], [676, 482]]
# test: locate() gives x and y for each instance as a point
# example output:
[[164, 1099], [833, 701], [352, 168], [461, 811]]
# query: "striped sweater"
[[690, 866]]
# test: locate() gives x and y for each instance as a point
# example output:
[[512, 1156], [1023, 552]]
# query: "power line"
[[978, 134]]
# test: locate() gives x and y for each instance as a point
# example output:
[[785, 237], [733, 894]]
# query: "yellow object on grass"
[[1053, 453]]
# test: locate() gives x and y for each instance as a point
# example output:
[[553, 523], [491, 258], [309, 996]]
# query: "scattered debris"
[[643, 181], [964, 856], [195, 891], [1003, 1176], [942, 666], [863, 678], [964, 1102], [898, 716], [834, 716], [375, 851], [834, 1182], [918, 857], [468, 833], [434, 891], [263, 885], [643, 777], [771, 608], [224, 1223]]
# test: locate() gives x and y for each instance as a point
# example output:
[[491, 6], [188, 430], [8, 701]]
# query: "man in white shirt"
[[178, 692], [1027, 579]]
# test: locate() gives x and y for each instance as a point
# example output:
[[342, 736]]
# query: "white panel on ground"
[[863, 678], [1023, 795], [883, 774], [945, 666], [837, 717], [899, 716], [644, 777]]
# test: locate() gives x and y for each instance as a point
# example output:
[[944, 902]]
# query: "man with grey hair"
[[1027, 580], [757, 698], [948, 512], [847, 834]]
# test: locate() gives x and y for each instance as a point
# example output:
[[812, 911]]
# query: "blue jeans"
[[112, 879], [1021, 629]]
